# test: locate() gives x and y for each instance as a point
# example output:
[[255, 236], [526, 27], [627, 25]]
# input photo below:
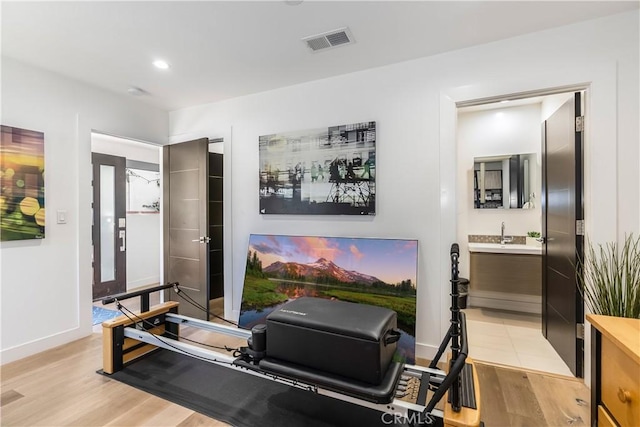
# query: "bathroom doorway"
[[506, 323]]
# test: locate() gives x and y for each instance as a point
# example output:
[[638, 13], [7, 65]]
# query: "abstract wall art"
[[328, 171], [22, 213], [379, 272]]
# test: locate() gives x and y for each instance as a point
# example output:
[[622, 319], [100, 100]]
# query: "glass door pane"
[[107, 223]]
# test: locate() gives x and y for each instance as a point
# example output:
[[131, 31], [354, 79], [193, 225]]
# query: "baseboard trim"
[[506, 301], [427, 351], [39, 345]]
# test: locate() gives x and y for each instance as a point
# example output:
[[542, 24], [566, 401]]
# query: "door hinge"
[[580, 331], [579, 124], [579, 227]]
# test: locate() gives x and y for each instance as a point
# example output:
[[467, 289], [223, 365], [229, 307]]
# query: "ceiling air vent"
[[330, 39]]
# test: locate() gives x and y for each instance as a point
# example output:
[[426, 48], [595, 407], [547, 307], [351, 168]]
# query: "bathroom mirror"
[[505, 181]]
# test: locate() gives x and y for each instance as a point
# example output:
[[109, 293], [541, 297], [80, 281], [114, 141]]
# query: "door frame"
[[600, 82], [119, 283], [110, 144]]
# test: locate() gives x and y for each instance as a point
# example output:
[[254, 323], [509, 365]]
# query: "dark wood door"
[[562, 305], [186, 221], [216, 226], [109, 225]]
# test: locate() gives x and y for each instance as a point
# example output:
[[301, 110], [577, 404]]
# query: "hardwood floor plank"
[[9, 396], [199, 420], [518, 394], [494, 408], [518, 420], [171, 416], [60, 387], [563, 402], [106, 405]]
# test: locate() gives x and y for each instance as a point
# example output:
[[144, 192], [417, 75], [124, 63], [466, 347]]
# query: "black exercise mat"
[[239, 398]]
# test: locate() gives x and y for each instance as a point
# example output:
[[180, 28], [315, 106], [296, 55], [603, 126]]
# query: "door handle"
[[204, 239], [123, 246]]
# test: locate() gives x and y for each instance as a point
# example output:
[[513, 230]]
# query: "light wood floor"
[[60, 387]]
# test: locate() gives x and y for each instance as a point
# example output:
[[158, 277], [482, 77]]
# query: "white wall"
[[413, 105], [512, 130], [143, 249], [45, 296]]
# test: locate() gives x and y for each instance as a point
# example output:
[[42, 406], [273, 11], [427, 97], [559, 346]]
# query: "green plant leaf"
[[609, 278]]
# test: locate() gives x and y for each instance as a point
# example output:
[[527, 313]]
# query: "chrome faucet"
[[504, 239]]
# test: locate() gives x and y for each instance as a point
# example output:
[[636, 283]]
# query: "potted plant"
[[610, 279], [533, 238]]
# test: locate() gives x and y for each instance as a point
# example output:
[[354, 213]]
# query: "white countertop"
[[507, 248]]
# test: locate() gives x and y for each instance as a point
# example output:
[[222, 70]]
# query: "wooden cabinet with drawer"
[[615, 371]]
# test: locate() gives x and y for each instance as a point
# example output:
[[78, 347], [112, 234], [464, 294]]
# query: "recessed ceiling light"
[[163, 65]]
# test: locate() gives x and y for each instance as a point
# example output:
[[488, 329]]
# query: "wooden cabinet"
[[615, 371], [509, 273], [511, 281]]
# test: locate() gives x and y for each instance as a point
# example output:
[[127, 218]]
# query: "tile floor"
[[513, 339]]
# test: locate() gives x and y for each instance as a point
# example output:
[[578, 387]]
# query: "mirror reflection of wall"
[[504, 182]]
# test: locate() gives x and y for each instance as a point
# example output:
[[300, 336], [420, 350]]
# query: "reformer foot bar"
[[402, 393]]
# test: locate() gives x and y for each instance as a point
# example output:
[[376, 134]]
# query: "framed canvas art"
[[22, 212], [329, 171]]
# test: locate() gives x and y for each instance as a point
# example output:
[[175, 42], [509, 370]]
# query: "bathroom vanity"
[[506, 276]]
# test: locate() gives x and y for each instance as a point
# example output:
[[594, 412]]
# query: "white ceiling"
[[225, 49]]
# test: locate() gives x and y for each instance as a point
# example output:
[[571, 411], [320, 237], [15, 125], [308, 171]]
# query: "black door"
[[216, 226], [562, 212], [109, 225]]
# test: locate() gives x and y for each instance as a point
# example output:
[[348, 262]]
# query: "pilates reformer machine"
[[295, 348]]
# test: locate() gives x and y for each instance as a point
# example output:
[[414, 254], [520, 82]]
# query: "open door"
[[186, 223], [562, 219], [109, 225]]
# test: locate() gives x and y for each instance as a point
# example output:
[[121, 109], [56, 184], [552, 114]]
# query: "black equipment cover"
[[350, 340]]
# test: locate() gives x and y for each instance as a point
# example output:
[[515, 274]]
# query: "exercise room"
[[320, 213]]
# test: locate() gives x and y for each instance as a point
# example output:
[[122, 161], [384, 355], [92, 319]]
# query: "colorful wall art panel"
[[22, 184], [379, 272], [329, 171]]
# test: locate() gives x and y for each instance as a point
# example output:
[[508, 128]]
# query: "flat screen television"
[[379, 272]]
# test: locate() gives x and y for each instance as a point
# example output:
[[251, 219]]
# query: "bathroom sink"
[[507, 248]]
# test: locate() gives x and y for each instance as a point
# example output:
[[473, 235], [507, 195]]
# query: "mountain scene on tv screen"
[[278, 271]]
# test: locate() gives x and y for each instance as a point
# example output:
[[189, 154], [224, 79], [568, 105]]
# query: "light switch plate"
[[61, 217]]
